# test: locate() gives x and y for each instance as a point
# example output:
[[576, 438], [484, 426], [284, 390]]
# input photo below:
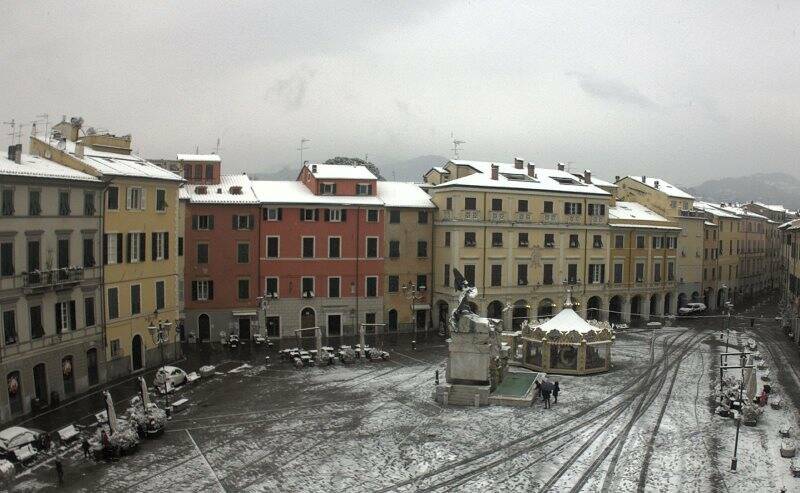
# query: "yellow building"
[[722, 284], [142, 238]]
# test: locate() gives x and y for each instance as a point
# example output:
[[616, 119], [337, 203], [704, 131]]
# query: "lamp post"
[[414, 294], [160, 335]]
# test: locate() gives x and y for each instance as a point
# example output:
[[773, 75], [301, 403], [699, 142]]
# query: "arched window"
[[15, 392]]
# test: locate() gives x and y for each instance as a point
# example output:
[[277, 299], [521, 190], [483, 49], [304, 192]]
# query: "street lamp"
[[414, 294], [160, 335]]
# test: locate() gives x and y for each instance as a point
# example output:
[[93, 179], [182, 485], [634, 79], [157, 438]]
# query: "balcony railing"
[[55, 278], [597, 219], [474, 215], [524, 217], [549, 218], [496, 216]]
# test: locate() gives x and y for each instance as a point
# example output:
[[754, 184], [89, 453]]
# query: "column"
[[626, 310]]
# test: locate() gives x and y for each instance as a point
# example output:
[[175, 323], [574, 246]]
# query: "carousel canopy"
[[567, 320]]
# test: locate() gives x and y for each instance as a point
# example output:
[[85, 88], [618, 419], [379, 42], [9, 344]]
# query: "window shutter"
[[344, 215], [105, 249], [58, 318], [580, 208], [602, 273], [72, 323], [210, 290], [302, 214], [590, 207], [194, 221], [602, 209], [327, 214], [142, 244], [251, 221], [128, 194], [128, 250], [143, 201], [119, 248], [264, 214], [334, 188], [280, 214], [316, 214], [233, 222], [211, 221], [369, 189], [566, 207], [155, 250], [166, 245], [194, 290], [320, 188]]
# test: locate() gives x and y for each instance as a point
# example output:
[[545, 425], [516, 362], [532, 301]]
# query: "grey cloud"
[[290, 92], [611, 90]]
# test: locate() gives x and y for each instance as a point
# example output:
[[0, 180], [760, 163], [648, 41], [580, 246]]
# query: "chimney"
[[616, 178], [518, 163], [644, 179], [79, 150], [18, 154], [532, 170], [313, 168], [656, 183], [495, 171], [587, 175], [560, 166], [11, 151]]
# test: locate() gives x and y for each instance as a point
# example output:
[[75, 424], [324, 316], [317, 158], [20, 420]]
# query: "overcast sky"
[[685, 90]]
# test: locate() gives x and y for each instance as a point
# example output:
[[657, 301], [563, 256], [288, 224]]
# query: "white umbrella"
[[143, 390], [112, 415]]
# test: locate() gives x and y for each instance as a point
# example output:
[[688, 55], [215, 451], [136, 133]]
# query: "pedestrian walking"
[[60, 470], [85, 446], [556, 389], [546, 397]]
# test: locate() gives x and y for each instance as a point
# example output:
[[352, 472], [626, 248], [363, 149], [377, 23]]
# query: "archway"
[[308, 318], [520, 313], [636, 307], [668, 304], [137, 353], [495, 310], [615, 309], [545, 308], [392, 319], [204, 327], [593, 308], [682, 300], [653, 305]]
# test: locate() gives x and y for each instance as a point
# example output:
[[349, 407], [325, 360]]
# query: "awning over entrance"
[[244, 313], [421, 307]]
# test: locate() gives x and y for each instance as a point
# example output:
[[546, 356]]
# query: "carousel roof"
[[567, 320]]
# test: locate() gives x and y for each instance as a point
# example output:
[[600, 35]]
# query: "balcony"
[[446, 215], [474, 215], [574, 219], [549, 218], [597, 219], [497, 216], [523, 217], [64, 278]]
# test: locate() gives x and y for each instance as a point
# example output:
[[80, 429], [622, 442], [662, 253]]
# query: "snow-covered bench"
[[68, 433], [180, 404]]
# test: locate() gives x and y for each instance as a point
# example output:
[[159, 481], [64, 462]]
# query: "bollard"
[[437, 377]]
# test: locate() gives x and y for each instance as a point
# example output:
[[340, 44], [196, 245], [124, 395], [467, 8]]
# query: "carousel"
[[566, 344]]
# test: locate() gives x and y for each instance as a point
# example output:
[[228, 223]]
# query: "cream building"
[[50, 283]]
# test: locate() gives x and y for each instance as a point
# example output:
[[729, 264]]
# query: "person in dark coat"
[[547, 387], [60, 471], [85, 446], [556, 389]]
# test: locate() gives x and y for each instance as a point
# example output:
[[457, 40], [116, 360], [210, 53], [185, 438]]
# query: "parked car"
[[15, 442], [691, 308], [175, 375]]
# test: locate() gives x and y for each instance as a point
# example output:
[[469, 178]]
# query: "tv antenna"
[[303, 147], [13, 125], [216, 149], [456, 144], [39, 118]]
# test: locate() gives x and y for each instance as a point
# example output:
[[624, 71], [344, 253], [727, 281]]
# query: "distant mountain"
[[411, 169], [770, 188], [285, 173]]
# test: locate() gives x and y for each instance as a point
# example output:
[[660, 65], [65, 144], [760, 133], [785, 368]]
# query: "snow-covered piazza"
[[649, 424]]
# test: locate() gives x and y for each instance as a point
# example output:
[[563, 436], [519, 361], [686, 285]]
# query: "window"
[[187, 173], [65, 316], [394, 217], [88, 311], [62, 253], [271, 286], [243, 252], [670, 271], [308, 247], [469, 274], [619, 241], [247, 221], [572, 273], [116, 348], [203, 222], [363, 189], [393, 284], [112, 253], [447, 238], [548, 207], [522, 274], [273, 246], [470, 203], [497, 239], [113, 303], [597, 241], [273, 326], [160, 245], [446, 274], [37, 329], [88, 252], [160, 295], [9, 327], [372, 247], [522, 240], [522, 206], [243, 290], [34, 257], [449, 203], [573, 241], [34, 202], [203, 290], [112, 198], [496, 274], [469, 239], [617, 273], [161, 200], [334, 287], [497, 204], [657, 272], [372, 286], [597, 273], [308, 214], [209, 172], [307, 285], [596, 209], [639, 241], [422, 217], [327, 188], [8, 202], [273, 214], [549, 240], [422, 249], [63, 203], [135, 199], [136, 299], [658, 242], [6, 258], [547, 273], [202, 253], [639, 272], [88, 204], [422, 282], [372, 215], [335, 215], [572, 208], [334, 247], [198, 171], [672, 242]]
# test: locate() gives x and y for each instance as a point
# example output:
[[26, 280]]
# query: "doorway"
[[244, 328], [40, 382], [136, 353], [204, 327], [422, 319], [334, 325]]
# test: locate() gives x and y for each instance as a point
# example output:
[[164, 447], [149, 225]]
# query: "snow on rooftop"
[[633, 211], [295, 192], [223, 192], [403, 194], [567, 320], [663, 186], [38, 167], [340, 172], [743, 212], [204, 158], [513, 178], [714, 210]]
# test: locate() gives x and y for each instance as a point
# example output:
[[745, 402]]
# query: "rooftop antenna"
[[46, 123], [18, 134], [302, 148], [197, 148], [456, 144], [216, 150], [13, 125]]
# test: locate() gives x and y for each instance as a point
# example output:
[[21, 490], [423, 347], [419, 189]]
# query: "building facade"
[[50, 283]]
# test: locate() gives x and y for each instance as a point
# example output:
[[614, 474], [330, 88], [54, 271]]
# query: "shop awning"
[[244, 313]]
